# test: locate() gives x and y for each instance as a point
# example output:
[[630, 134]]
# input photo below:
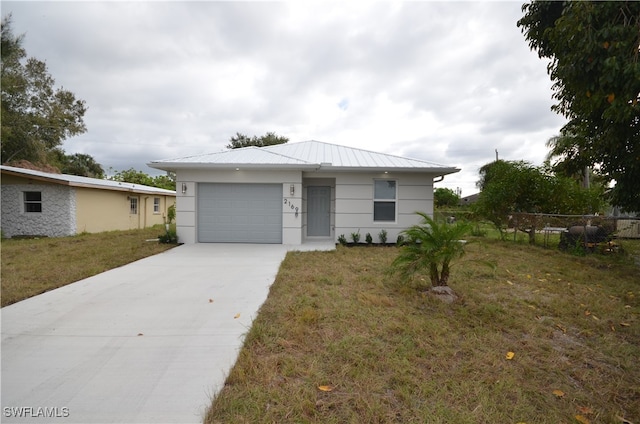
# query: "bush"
[[342, 240], [170, 237], [382, 235], [355, 237], [368, 238]]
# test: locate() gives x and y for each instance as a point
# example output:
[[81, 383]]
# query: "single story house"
[[294, 193], [36, 203]]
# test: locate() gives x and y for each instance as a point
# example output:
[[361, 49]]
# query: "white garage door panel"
[[239, 213]]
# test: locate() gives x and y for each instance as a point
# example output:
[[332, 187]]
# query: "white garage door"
[[239, 213]]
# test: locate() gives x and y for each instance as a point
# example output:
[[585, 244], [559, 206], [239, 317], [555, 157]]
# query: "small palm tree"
[[431, 246]]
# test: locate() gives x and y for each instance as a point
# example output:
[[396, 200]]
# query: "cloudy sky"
[[447, 82]]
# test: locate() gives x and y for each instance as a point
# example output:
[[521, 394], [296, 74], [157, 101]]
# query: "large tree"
[[76, 164], [269, 139], [445, 198], [36, 117], [133, 176], [509, 187], [593, 48]]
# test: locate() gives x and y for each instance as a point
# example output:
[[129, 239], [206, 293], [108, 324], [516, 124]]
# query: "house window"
[[133, 205], [32, 201], [384, 200], [156, 205]]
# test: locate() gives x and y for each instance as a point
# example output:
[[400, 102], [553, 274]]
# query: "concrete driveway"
[[150, 342]]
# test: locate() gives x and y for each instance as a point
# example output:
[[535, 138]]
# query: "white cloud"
[[448, 82]]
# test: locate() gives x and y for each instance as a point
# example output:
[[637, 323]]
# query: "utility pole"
[[496, 155]]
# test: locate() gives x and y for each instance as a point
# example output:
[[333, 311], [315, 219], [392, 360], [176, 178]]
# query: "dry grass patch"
[[339, 340], [34, 266]]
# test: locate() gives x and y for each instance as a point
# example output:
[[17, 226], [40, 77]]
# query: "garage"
[[239, 213]]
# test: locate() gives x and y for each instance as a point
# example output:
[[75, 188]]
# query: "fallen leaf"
[[325, 388], [558, 393], [528, 275], [585, 410], [236, 316], [625, 324], [582, 419], [595, 317], [510, 355], [564, 330], [509, 282], [611, 97], [623, 420]]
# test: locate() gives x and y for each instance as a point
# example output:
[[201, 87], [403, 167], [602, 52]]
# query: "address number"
[[294, 208]]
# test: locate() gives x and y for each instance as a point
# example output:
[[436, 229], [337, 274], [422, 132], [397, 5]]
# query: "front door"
[[318, 211]]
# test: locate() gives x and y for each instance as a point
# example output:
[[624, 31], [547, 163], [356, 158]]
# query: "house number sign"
[[291, 205]]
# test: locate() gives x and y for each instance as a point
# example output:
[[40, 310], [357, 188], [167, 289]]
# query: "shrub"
[[342, 240], [368, 238], [170, 237], [355, 237], [171, 214], [382, 235]]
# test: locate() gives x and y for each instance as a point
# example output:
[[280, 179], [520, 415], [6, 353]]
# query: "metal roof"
[[77, 181], [314, 155]]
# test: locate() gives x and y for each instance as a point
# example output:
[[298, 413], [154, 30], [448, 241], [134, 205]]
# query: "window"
[[156, 205], [32, 201], [133, 205], [384, 200]]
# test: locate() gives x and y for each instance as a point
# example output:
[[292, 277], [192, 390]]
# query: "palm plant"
[[431, 246]]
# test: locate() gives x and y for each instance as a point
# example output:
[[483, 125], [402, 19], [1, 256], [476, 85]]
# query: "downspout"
[[441, 178], [145, 211]]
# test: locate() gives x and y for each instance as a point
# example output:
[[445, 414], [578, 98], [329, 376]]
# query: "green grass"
[[392, 353], [34, 266]]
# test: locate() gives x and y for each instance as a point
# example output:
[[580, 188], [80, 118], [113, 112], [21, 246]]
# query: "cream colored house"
[[40, 203], [298, 192]]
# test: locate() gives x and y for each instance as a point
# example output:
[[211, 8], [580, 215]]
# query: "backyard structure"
[[298, 192], [36, 203]]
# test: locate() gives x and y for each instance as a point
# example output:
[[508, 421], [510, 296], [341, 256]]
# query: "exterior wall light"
[[184, 188], [292, 189]]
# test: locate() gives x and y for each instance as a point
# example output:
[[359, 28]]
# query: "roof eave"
[[60, 181]]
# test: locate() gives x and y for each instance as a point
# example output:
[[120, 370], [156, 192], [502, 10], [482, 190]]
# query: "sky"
[[445, 82]]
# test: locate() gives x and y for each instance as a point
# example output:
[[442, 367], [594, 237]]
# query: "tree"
[[269, 139], [593, 49], [431, 246], [76, 164], [133, 176], [509, 187], [36, 117], [445, 197]]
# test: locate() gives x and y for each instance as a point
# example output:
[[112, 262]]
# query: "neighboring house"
[[298, 192], [36, 203], [469, 200]]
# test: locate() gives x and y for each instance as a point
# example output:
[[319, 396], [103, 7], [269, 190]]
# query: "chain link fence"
[[587, 232]]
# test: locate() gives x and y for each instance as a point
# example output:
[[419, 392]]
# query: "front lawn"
[[34, 266], [340, 341]]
